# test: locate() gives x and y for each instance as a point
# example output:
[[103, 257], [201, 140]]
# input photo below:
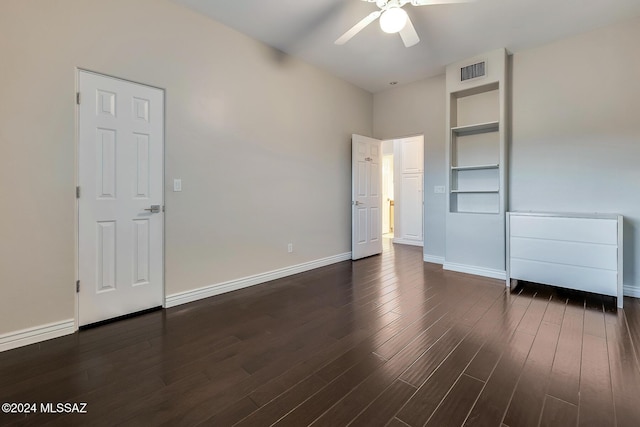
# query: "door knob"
[[357, 203], [153, 209]]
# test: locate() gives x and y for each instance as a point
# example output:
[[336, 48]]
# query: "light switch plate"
[[177, 184], [439, 189]]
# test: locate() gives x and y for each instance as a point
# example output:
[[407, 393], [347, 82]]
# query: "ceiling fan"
[[394, 19]]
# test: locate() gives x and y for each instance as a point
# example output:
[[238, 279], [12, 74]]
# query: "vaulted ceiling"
[[450, 32]]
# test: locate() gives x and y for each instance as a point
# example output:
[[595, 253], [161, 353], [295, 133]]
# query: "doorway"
[[403, 185], [120, 197]]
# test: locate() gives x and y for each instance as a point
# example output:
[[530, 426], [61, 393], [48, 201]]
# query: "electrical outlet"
[[177, 184], [439, 189], [290, 247]]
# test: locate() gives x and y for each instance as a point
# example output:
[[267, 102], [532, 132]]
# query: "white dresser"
[[575, 251]]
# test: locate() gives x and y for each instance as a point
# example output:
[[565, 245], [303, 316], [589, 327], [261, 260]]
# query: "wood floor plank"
[[632, 317], [362, 350], [494, 399], [555, 310], [428, 362], [558, 413], [232, 414], [379, 382], [121, 410], [625, 380], [313, 407], [487, 358], [532, 318], [564, 382], [594, 318], [204, 403], [278, 408], [298, 372], [222, 392], [382, 410], [528, 398], [396, 343], [297, 375], [396, 423], [456, 405], [424, 402], [596, 396]]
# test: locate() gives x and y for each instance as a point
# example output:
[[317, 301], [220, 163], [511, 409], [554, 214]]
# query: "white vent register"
[[473, 71], [574, 251]]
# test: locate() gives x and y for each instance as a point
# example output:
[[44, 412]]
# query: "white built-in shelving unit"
[[477, 165]]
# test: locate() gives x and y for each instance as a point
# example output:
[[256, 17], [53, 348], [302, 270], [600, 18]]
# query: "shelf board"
[[476, 90], [476, 128], [473, 191], [474, 167]]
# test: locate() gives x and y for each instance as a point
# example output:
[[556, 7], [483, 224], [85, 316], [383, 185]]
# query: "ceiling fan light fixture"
[[393, 20]]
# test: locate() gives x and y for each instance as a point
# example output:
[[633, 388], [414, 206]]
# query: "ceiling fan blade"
[[409, 35], [433, 2], [358, 27]]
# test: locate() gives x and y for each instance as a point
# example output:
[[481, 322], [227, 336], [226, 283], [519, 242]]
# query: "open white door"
[[120, 209], [366, 213]]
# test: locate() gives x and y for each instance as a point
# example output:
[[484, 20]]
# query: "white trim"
[[36, 334], [407, 242], [433, 259], [244, 282], [478, 271], [631, 291]]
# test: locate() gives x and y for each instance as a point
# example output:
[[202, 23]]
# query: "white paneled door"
[[412, 206], [366, 213], [120, 175], [409, 154]]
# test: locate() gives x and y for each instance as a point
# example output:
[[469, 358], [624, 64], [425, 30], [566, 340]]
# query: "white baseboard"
[[407, 242], [36, 334], [434, 259], [631, 291], [478, 271], [244, 282]]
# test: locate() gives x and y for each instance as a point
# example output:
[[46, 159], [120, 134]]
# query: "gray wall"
[[575, 136], [576, 130], [262, 147]]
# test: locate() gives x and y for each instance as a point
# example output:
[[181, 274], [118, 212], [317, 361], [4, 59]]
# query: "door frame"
[[76, 239], [387, 209]]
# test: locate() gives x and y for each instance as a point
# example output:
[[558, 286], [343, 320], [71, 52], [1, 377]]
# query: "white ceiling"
[[448, 33]]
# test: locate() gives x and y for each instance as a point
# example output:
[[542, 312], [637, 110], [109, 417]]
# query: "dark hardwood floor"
[[388, 340]]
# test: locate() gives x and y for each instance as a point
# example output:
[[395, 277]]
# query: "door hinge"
[[77, 286], [77, 192], [78, 98]]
